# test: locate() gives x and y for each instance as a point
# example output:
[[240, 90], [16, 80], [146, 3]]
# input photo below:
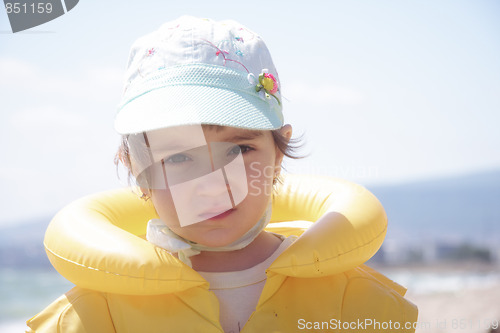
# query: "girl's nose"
[[213, 184]]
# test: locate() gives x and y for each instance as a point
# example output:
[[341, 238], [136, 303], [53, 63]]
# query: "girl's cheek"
[[162, 200], [162, 195], [259, 178]]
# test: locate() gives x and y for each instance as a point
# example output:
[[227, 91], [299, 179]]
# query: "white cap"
[[198, 71]]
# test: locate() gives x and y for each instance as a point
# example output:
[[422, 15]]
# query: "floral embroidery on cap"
[[225, 54], [268, 82], [266, 86], [149, 62]]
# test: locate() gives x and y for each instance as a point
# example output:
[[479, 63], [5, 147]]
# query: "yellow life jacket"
[[126, 284]]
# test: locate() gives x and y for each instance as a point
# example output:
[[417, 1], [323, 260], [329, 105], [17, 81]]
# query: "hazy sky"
[[384, 91]]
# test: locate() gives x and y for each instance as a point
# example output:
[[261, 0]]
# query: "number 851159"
[[39, 8]]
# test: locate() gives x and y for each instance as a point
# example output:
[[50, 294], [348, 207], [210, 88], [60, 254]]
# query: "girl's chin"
[[214, 237]]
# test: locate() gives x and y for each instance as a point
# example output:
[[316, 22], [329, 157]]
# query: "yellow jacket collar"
[[95, 242]]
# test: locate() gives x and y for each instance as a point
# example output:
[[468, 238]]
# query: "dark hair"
[[287, 147]]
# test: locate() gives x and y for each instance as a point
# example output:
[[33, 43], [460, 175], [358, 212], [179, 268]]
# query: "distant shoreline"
[[448, 267]]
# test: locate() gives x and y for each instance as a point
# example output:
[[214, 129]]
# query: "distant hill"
[[21, 245], [456, 208]]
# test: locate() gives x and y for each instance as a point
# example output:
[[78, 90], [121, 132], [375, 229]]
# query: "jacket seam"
[[194, 310], [379, 283], [112, 273], [338, 255], [76, 300]]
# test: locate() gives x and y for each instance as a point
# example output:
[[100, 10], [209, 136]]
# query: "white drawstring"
[[160, 235]]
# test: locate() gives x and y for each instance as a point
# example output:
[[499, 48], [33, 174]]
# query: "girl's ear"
[[286, 132]]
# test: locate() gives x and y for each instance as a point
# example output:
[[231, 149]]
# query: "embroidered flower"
[[267, 85], [268, 82]]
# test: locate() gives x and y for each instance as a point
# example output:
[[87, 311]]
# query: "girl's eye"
[[241, 148], [177, 158]]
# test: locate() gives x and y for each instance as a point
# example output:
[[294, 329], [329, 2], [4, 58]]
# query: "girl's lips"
[[209, 216]]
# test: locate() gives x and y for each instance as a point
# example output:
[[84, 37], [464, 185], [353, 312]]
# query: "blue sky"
[[384, 91]]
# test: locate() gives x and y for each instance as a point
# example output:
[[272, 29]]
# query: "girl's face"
[[213, 207]]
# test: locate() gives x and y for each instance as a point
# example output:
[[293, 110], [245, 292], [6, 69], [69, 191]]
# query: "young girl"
[[204, 138]]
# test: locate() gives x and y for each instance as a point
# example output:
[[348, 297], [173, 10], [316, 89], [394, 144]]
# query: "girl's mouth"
[[219, 216]]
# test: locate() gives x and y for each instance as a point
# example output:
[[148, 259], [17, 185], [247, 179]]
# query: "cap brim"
[[196, 104]]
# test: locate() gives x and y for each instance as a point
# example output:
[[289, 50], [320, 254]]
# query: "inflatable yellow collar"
[[97, 242]]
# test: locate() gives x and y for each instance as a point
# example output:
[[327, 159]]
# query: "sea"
[[24, 292]]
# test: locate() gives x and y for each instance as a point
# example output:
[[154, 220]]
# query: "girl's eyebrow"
[[247, 135]]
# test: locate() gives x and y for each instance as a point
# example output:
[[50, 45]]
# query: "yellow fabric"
[[125, 284]]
